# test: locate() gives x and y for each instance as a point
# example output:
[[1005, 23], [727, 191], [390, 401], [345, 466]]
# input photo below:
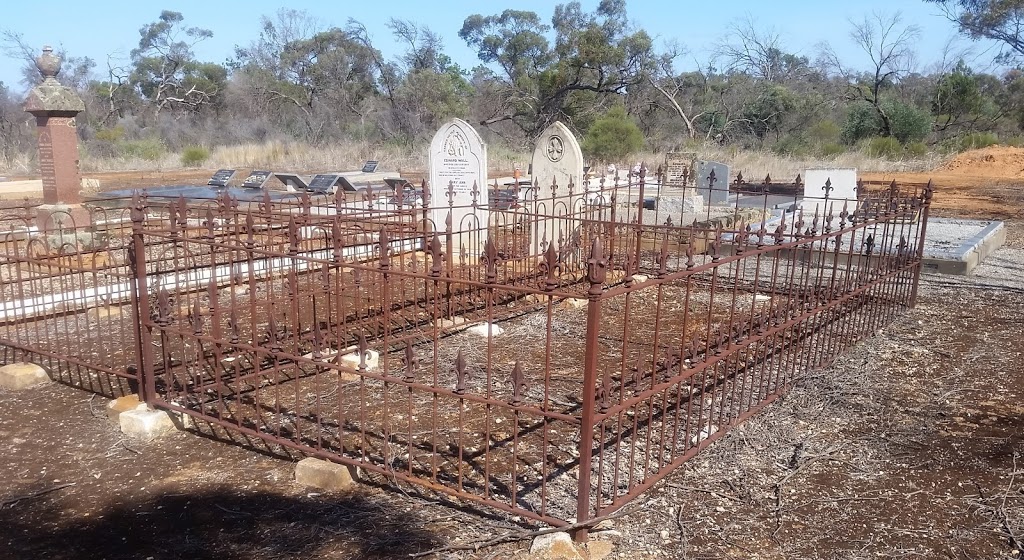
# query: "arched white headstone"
[[458, 181], [557, 160]]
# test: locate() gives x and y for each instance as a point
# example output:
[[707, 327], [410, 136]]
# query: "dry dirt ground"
[[909, 446]]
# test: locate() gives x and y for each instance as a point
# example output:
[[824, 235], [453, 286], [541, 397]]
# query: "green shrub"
[[149, 149], [906, 122], [194, 156], [976, 140], [824, 132], [861, 122], [917, 149], [1014, 141], [115, 134], [613, 137], [831, 149], [884, 147], [791, 145]]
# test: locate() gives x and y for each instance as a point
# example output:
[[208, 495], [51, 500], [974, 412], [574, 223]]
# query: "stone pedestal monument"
[[55, 107]]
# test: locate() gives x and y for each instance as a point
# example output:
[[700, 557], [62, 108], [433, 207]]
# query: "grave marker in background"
[[842, 183], [557, 159], [256, 179], [458, 174], [221, 178], [680, 173], [718, 192], [55, 107]]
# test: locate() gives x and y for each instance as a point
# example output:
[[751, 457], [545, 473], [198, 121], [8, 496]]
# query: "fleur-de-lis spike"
[[410, 363], [293, 236], [196, 318], [490, 261], [234, 327], [318, 340], [337, 244], [518, 383], [385, 249], [436, 256], [597, 267], [550, 265], [460, 373], [210, 223], [163, 306], [363, 348]]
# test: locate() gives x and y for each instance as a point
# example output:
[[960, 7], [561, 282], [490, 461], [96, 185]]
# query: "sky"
[[103, 29]]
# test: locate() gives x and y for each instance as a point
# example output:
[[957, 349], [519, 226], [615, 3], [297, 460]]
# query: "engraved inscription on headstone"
[[458, 181], [557, 160], [323, 183], [714, 187], [256, 179], [679, 169], [221, 178], [370, 166]]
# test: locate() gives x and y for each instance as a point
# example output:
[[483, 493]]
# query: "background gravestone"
[[458, 158], [679, 169], [680, 172], [719, 192], [844, 187], [55, 106], [557, 159]]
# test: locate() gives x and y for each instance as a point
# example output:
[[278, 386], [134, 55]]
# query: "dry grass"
[[300, 157], [755, 164]]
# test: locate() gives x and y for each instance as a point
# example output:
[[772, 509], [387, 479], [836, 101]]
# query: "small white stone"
[[484, 329]]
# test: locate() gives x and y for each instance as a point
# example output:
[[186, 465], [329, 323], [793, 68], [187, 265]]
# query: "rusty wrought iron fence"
[[554, 371], [66, 297]]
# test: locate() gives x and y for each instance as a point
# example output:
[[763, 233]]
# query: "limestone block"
[[22, 375], [599, 550], [640, 278], [145, 424], [324, 474], [121, 404], [554, 546]]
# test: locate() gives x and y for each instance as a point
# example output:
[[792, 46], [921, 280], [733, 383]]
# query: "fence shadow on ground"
[[218, 524]]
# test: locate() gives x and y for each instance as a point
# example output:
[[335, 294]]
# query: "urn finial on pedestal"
[[48, 63]]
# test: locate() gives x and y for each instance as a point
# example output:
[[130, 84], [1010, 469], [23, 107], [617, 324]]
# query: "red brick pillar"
[[55, 107], [58, 159]]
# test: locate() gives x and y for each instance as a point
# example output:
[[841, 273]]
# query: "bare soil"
[[909, 446]]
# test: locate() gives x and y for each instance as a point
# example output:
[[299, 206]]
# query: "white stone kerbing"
[[458, 157]]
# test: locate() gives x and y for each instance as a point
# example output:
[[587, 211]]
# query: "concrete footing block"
[[324, 475], [120, 405], [22, 375], [145, 424]]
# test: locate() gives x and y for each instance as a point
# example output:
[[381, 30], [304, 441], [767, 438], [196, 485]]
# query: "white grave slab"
[[843, 181], [458, 160], [557, 160]]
